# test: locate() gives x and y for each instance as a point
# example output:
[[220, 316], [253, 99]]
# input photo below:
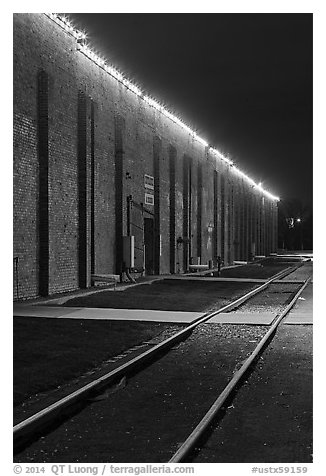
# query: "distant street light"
[[298, 220]]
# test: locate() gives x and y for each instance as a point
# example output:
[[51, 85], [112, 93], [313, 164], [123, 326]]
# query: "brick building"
[[95, 160]]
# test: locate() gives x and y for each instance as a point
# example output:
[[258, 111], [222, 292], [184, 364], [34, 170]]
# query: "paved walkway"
[[106, 314], [298, 316], [20, 310], [302, 312]]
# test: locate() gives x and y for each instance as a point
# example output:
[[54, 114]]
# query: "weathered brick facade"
[[82, 144]]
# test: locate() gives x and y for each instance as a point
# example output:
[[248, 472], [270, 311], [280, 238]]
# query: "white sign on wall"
[[149, 182], [149, 199]]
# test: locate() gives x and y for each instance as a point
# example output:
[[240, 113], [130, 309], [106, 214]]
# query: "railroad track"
[[197, 434], [25, 431]]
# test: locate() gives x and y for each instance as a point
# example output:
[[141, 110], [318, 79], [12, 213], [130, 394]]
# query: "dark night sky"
[[243, 81]]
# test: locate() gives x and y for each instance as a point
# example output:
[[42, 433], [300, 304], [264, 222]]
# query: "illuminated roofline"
[[87, 51]]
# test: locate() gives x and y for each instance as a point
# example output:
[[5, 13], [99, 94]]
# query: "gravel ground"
[[118, 428], [270, 420], [274, 299], [256, 270]]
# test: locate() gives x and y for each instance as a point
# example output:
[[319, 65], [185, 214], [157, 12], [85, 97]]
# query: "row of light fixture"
[[80, 37]]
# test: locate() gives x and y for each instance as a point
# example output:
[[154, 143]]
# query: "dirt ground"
[[145, 419], [50, 352], [270, 419], [167, 295], [150, 415]]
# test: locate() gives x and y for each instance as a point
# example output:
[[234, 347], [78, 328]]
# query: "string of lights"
[[81, 37]]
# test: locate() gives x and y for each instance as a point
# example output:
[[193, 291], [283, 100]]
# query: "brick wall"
[[82, 144]]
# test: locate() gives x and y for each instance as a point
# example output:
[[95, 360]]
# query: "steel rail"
[[46, 416], [189, 444]]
